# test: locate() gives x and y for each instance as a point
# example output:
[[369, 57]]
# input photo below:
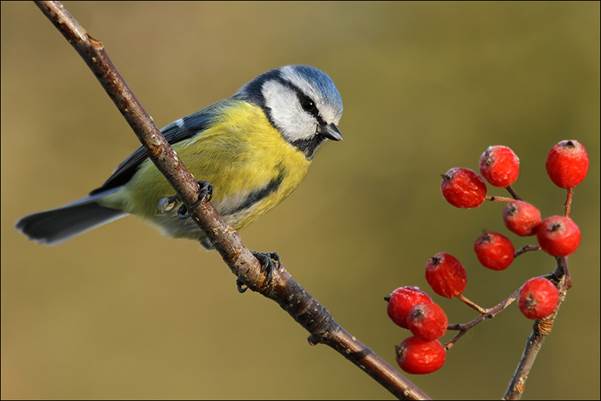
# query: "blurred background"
[[123, 312]]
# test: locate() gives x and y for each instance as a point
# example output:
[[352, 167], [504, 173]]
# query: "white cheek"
[[287, 113]]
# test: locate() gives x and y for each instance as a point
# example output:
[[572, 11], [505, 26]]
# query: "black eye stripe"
[[305, 101]]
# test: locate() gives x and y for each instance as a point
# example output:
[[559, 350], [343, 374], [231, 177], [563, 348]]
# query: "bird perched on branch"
[[249, 151]]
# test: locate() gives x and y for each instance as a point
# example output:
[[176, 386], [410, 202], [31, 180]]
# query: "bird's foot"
[[207, 244], [205, 193], [269, 261], [170, 203]]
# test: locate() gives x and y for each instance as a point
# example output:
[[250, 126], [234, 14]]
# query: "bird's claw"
[[242, 287], [205, 191], [269, 261], [170, 203]]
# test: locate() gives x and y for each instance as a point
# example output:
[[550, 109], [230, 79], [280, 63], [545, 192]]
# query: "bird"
[[249, 152]]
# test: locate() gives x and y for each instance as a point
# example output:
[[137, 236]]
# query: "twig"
[[494, 198], [282, 288], [471, 304], [526, 248], [489, 313], [486, 315], [513, 193], [540, 330], [568, 204]]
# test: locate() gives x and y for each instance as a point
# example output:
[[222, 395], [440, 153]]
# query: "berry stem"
[[471, 304], [489, 313], [499, 199], [526, 248], [568, 204], [513, 193]]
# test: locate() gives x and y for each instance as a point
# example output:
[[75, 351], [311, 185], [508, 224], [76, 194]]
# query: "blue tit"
[[253, 148]]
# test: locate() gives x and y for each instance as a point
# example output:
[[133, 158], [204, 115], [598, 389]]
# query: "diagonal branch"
[[282, 288]]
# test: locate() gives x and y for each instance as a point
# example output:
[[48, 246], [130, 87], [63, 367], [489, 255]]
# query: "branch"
[[485, 315], [540, 330], [526, 248], [282, 287]]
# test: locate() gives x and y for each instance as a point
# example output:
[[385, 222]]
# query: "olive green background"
[[123, 312]]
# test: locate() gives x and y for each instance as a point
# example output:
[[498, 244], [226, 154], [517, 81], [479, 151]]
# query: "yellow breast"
[[243, 157]]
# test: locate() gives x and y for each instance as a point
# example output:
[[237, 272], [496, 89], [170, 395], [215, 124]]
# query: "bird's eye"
[[308, 105]]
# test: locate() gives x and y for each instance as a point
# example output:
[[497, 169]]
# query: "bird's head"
[[301, 101]]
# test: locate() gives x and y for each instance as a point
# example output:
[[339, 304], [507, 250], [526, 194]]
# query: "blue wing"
[[179, 130]]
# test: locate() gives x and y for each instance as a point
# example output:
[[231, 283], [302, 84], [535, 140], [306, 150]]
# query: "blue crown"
[[321, 82]]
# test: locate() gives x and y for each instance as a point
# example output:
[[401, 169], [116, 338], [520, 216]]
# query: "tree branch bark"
[[282, 288]]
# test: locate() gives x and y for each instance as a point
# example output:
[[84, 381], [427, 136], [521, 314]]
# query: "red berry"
[[558, 235], [427, 321], [522, 218], [462, 187], [418, 356], [538, 298], [499, 165], [402, 300], [567, 163], [446, 275], [494, 251]]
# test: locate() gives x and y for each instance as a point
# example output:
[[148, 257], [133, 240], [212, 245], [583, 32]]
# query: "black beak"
[[330, 131]]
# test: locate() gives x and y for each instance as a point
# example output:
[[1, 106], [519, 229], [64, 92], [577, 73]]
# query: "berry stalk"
[[513, 193], [472, 304], [494, 198], [568, 204], [526, 248]]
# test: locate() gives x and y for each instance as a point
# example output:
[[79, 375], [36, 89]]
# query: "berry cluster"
[[558, 235], [413, 309]]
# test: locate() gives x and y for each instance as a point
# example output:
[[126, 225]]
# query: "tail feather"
[[53, 226]]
